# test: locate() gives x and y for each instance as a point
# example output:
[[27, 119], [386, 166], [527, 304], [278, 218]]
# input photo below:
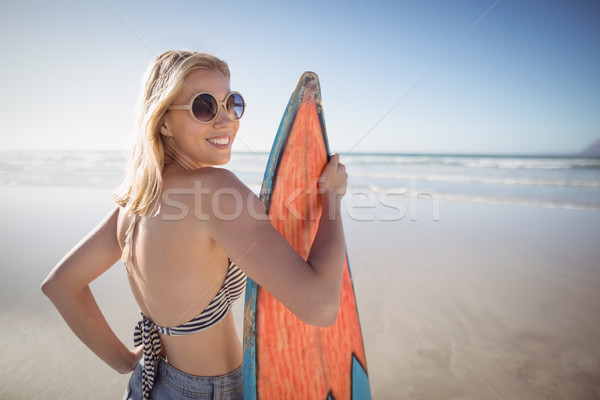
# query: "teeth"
[[219, 141]]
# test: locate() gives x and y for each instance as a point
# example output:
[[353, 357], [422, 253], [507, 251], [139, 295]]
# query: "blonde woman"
[[188, 243]]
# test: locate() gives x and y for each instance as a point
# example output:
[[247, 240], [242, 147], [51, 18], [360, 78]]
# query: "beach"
[[457, 299], [489, 302]]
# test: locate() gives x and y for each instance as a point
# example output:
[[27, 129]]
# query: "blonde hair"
[[164, 80]]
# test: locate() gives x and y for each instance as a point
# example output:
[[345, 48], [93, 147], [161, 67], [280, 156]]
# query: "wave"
[[62, 168], [401, 194], [520, 202], [478, 162], [537, 163], [524, 181]]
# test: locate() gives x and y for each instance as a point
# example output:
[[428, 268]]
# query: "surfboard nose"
[[310, 87]]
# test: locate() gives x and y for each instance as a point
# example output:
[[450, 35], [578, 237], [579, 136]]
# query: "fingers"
[[334, 176], [339, 167], [332, 165], [334, 160]]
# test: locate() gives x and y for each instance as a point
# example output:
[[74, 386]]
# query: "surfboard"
[[285, 358]]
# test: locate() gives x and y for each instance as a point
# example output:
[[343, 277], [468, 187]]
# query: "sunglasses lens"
[[204, 107], [235, 106]]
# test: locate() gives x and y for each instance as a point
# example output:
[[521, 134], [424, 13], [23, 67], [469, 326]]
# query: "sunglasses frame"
[[220, 104]]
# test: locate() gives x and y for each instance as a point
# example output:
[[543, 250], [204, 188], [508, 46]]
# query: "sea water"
[[561, 182], [564, 182]]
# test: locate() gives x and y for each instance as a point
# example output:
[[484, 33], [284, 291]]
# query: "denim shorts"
[[171, 383]]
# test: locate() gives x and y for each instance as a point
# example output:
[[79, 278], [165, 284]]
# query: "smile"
[[219, 141]]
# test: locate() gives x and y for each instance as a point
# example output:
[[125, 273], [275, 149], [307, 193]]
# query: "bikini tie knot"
[[146, 334]]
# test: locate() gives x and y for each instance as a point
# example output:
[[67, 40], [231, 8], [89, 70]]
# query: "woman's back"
[[176, 269]]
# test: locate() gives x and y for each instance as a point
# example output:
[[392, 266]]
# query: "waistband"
[[194, 385]]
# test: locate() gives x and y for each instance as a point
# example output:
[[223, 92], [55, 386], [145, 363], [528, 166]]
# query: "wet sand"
[[489, 302]]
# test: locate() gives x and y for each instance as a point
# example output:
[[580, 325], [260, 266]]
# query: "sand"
[[489, 302]]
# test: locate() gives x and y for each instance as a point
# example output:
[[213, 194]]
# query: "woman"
[[188, 243]]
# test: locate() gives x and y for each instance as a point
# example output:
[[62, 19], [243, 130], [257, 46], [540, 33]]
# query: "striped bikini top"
[[146, 332]]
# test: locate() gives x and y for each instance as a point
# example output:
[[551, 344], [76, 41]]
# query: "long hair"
[[142, 186]]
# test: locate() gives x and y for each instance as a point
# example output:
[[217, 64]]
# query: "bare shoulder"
[[209, 192], [226, 194], [207, 177], [217, 178]]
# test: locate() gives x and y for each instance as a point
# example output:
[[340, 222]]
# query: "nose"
[[222, 117]]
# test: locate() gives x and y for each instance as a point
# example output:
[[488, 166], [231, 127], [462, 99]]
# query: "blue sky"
[[506, 77]]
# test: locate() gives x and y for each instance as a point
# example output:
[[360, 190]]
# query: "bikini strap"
[[127, 254]]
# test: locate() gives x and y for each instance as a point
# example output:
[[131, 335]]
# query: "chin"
[[222, 160]]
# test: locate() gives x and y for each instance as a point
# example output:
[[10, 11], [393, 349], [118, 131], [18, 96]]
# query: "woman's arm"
[[310, 289], [68, 288]]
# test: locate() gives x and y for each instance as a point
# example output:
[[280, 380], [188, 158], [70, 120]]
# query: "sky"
[[444, 76]]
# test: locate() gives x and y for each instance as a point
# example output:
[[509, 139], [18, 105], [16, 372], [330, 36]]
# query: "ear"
[[164, 128]]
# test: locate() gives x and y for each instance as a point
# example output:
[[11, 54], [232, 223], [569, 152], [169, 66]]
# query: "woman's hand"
[[136, 355], [334, 178]]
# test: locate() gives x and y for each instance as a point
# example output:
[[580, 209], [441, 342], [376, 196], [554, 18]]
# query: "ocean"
[[557, 182]]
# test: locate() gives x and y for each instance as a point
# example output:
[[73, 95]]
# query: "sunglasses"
[[204, 107]]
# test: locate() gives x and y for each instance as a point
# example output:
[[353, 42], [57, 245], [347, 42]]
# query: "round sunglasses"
[[204, 107]]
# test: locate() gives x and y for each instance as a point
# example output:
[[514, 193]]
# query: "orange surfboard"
[[285, 358]]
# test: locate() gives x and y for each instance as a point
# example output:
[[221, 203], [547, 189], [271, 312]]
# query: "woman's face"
[[205, 143]]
